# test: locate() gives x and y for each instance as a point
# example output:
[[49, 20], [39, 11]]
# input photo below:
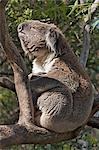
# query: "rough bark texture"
[[24, 132]]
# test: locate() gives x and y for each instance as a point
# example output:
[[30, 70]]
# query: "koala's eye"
[[42, 28], [36, 49]]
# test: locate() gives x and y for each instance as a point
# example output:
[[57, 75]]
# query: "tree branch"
[[94, 122], [3, 73], [95, 105], [18, 134], [86, 33], [7, 83], [86, 45]]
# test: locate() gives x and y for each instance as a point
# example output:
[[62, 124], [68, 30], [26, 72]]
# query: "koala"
[[64, 91]]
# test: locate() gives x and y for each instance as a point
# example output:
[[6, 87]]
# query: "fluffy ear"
[[55, 41]]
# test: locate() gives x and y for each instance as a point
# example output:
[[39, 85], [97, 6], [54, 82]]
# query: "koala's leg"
[[56, 107]]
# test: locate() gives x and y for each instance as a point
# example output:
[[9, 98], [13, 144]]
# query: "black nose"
[[20, 27]]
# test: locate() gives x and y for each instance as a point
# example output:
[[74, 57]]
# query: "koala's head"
[[38, 38]]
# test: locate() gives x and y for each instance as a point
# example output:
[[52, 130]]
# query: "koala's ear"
[[55, 41]]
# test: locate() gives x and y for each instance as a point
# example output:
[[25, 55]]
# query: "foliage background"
[[69, 18]]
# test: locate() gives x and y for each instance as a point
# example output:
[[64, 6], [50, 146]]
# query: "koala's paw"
[[30, 76]]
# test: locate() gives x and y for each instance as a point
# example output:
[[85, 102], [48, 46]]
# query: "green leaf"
[[95, 24], [73, 8]]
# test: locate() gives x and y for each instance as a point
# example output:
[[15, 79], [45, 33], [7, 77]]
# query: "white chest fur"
[[45, 67]]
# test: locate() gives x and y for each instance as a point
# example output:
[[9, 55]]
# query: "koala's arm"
[[41, 84]]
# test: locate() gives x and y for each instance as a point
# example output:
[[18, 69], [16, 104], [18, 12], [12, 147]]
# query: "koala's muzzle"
[[22, 27]]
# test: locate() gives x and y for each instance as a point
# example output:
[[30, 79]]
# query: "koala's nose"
[[20, 27]]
